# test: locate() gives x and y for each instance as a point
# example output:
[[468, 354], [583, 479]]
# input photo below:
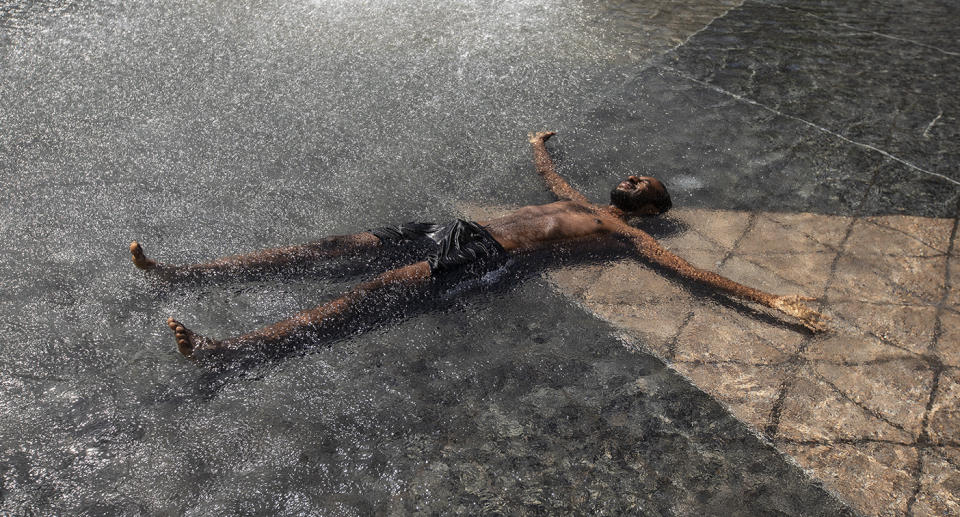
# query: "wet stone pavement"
[[811, 147], [826, 153]]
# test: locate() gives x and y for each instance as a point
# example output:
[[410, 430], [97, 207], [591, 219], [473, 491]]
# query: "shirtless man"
[[468, 245]]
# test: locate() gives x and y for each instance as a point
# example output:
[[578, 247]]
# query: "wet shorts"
[[460, 245]]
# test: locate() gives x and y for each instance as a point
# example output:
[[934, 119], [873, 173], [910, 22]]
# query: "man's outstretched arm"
[[793, 305], [545, 168]]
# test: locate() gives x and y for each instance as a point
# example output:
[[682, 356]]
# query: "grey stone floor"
[[810, 146]]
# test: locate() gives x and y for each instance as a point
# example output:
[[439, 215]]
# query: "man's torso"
[[537, 226]]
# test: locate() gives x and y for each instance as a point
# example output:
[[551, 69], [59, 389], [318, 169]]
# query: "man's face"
[[633, 190], [637, 184]]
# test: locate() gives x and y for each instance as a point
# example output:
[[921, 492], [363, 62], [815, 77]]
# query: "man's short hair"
[[630, 201]]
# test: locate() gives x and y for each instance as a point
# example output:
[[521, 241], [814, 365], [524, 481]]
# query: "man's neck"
[[616, 212]]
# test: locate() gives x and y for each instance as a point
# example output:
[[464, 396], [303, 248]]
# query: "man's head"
[[641, 195]]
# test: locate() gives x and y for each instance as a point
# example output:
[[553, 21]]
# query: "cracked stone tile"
[[898, 188], [722, 227], [953, 297], [901, 235], [690, 239], [851, 348], [944, 418], [828, 230], [939, 487], [714, 335], [759, 275], [948, 346], [809, 272], [812, 410], [877, 478], [662, 24], [480, 212], [703, 259], [909, 326], [897, 389], [889, 279], [749, 391], [654, 326], [794, 239], [948, 453], [632, 283]]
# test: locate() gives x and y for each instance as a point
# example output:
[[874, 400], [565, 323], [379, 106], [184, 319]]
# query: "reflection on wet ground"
[[213, 129]]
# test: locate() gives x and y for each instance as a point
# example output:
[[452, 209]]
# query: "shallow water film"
[[204, 129]]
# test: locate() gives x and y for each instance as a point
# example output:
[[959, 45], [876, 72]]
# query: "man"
[[470, 247]]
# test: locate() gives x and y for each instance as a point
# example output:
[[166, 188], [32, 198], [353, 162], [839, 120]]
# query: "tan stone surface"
[[939, 487], [630, 282], [895, 390], [748, 391], [944, 417], [888, 279], [651, 328], [768, 236], [953, 297], [576, 279], [760, 275], [805, 273], [847, 348], [813, 409], [828, 230], [948, 347], [870, 476], [901, 235], [854, 399], [709, 337], [907, 326], [722, 227]]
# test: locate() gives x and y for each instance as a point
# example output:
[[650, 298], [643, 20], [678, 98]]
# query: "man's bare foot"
[[139, 259], [540, 136], [189, 342]]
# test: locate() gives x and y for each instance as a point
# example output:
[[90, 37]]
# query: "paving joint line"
[[862, 31], [814, 125], [672, 344]]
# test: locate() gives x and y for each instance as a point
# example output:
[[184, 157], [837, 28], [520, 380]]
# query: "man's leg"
[[264, 259], [329, 316]]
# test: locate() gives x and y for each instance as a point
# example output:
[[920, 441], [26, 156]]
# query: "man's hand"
[[793, 306], [540, 136]]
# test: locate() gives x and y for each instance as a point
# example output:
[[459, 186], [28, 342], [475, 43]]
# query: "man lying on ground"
[[471, 247]]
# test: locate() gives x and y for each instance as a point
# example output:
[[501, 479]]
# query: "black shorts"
[[462, 246]]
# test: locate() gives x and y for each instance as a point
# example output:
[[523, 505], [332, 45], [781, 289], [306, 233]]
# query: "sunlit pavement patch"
[[870, 407]]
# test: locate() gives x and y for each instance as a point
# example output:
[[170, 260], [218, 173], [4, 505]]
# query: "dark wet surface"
[[204, 131]]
